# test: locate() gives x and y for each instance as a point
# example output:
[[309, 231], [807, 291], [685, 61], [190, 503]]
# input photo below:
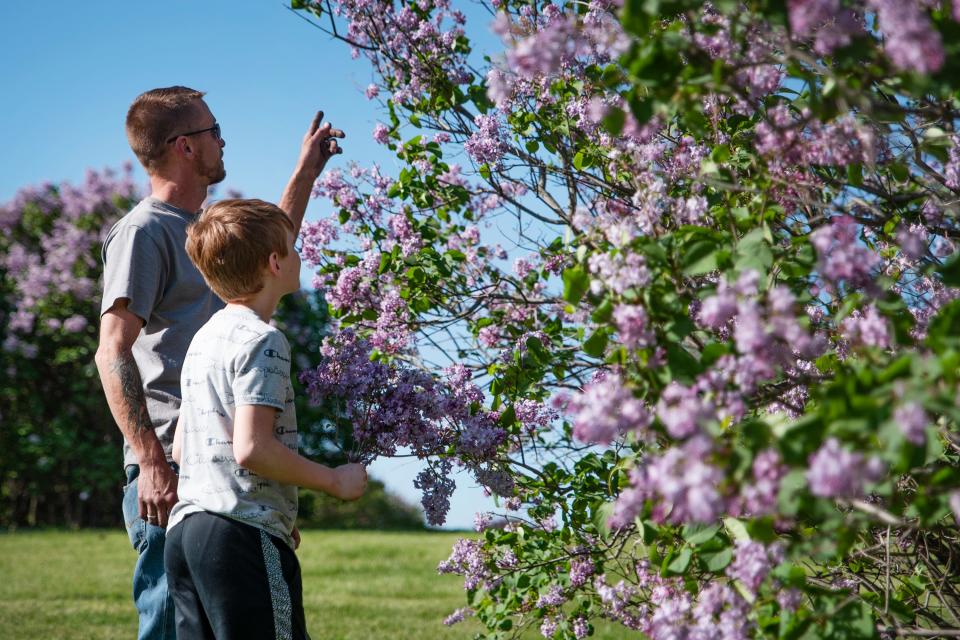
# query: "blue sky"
[[71, 69]]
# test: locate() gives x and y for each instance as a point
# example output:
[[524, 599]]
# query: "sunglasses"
[[215, 129]]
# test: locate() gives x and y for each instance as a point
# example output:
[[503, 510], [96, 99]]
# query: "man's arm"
[[319, 145], [123, 386], [255, 447]]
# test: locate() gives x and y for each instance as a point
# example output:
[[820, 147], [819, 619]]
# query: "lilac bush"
[[680, 283]]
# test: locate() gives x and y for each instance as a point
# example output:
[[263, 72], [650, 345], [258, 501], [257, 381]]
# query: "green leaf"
[[950, 271], [699, 533], [717, 561], [596, 344], [736, 529], [700, 258], [575, 284], [680, 562]]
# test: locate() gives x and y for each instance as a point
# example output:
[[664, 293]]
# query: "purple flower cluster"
[[913, 421], [840, 257], [631, 322], [831, 25], [867, 328], [315, 236], [683, 412], [752, 562], [53, 256], [910, 39], [467, 559], [437, 486], [605, 410], [759, 498], [486, 144], [581, 569], [951, 172], [553, 597], [836, 472], [533, 415], [682, 483], [409, 48], [458, 616], [618, 272]]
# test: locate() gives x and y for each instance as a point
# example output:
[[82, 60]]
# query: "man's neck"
[[188, 197]]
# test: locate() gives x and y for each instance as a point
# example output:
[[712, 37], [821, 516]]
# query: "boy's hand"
[[351, 481]]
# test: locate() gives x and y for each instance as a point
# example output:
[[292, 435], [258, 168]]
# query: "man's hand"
[[156, 492], [319, 145], [351, 481]]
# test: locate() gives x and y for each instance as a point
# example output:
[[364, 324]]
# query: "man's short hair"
[[156, 116], [231, 242]]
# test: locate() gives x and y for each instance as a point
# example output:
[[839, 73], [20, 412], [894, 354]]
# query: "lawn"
[[357, 585]]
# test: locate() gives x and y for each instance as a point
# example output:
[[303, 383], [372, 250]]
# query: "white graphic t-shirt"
[[235, 359]]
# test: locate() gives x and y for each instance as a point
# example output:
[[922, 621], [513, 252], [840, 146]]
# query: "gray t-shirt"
[[145, 260], [235, 359]]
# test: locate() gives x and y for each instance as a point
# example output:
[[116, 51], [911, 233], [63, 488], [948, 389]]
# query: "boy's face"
[[290, 266]]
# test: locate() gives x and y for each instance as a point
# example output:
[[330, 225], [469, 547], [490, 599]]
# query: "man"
[[155, 299]]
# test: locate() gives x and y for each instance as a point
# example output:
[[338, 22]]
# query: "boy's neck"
[[263, 303]]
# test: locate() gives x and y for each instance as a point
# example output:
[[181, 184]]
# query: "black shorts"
[[231, 580]]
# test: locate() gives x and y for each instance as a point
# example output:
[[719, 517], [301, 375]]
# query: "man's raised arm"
[[123, 387], [319, 145]]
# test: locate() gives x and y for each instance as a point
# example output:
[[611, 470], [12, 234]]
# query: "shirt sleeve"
[[262, 369], [134, 268]]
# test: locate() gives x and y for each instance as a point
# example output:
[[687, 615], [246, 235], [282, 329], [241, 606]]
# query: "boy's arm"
[[255, 447]]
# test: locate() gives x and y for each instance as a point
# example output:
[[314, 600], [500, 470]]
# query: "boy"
[[229, 556]]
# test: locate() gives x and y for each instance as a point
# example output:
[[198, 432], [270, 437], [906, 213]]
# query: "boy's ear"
[[274, 263]]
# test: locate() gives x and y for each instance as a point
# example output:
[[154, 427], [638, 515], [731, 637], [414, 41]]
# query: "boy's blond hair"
[[231, 242]]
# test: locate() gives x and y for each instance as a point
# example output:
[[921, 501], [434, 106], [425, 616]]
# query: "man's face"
[[208, 148]]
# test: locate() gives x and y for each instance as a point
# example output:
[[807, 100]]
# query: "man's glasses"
[[215, 129]]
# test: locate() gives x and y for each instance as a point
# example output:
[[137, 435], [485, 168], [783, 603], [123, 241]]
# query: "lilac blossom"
[[580, 628], [581, 569], [867, 328], [631, 322], [683, 484], [486, 145], [682, 411], [837, 472], [458, 616], [760, 497], [840, 257], [913, 421], [752, 563], [552, 598], [381, 133], [467, 559], [910, 39], [606, 409]]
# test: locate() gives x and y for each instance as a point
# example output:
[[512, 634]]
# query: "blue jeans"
[[150, 594]]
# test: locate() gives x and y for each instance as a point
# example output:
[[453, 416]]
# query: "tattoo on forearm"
[[131, 388]]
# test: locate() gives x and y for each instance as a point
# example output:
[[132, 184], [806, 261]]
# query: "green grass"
[[357, 585]]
